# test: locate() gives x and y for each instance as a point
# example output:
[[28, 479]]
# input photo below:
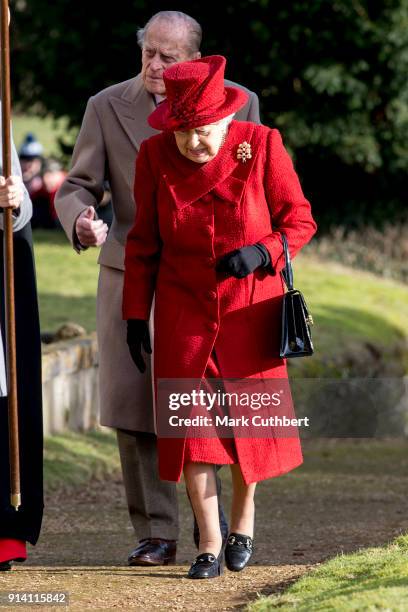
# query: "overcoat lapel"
[[135, 102], [225, 175]]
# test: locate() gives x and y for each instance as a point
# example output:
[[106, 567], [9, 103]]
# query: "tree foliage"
[[331, 75]]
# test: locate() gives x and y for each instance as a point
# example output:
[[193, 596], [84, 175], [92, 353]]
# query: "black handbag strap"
[[287, 271]]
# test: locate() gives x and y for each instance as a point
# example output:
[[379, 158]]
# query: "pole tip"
[[16, 500]]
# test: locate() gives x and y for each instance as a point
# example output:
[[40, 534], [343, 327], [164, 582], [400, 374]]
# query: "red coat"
[[188, 216]]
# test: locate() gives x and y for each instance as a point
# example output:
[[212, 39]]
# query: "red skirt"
[[221, 451]]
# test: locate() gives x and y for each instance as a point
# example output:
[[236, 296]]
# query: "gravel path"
[[343, 498]]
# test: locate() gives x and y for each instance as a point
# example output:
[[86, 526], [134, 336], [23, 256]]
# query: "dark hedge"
[[331, 75]]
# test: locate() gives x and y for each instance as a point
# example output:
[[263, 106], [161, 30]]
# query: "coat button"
[[207, 230], [211, 296], [212, 325], [206, 198], [210, 262]]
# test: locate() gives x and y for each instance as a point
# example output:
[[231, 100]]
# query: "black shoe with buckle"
[[206, 565], [238, 551]]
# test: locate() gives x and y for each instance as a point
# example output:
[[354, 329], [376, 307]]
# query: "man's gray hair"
[[192, 26]]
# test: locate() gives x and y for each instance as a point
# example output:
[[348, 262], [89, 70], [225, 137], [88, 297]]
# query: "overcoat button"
[[211, 295], [212, 325], [207, 230]]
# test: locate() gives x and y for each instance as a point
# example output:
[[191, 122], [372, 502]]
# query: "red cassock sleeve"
[[143, 245], [290, 210]]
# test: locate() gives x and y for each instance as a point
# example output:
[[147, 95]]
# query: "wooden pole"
[[15, 493]]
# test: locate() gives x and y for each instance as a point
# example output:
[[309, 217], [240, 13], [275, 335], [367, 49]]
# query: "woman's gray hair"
[[226, 120], [192, 26]]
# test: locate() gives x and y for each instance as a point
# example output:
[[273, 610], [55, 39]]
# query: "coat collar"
[[225, 175], [132, 109]]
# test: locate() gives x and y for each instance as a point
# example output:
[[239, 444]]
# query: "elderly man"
[[113, 128]]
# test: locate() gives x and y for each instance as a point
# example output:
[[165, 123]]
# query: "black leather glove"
[[137, 337], [244, 261]]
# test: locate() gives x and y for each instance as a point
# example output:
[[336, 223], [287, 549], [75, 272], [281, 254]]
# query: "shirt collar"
[[158, 99]]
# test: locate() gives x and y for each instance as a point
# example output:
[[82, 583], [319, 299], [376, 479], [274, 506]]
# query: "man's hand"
[[89, 231], [11, 192]]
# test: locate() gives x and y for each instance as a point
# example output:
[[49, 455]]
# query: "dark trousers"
[[152, 503]]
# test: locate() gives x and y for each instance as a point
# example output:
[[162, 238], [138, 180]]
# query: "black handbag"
[[296, 339]]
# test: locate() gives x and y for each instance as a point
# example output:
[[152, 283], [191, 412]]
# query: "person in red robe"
[[213, 197]]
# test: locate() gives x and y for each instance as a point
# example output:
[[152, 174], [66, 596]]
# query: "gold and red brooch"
[[244, 152]]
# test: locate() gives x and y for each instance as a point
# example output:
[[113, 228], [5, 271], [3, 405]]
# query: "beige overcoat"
[[113, 128]]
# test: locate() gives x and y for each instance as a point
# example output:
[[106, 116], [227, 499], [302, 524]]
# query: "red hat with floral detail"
[[196, 95]]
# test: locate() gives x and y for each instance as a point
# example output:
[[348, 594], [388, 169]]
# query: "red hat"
[[196, 95]]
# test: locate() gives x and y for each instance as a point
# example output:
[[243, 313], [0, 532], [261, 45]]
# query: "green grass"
[[354, 457], [72, 459], [360, 321], [45, 130], [371, 579], [350, 303], [67, 281]]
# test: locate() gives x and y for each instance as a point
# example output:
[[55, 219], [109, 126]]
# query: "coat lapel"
[[132, 110], [223, 175]]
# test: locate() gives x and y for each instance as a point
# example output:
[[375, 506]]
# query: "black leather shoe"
[[154, 551], [5, 566], [238, 551], [206, 565]]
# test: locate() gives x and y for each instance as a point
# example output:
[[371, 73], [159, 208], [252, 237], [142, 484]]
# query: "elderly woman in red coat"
[[213, 196]]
